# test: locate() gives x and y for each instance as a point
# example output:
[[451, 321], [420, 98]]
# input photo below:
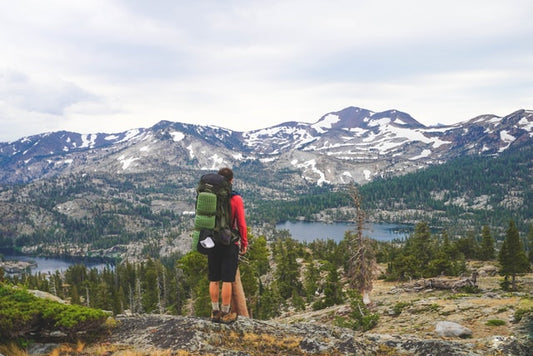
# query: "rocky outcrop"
[[451, 329], [149, 333], [16, 267]]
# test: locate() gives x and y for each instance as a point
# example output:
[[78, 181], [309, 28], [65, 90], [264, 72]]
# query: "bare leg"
[[214, 291], [226, 293]]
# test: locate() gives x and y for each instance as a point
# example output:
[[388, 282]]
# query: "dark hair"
[[226, 172]]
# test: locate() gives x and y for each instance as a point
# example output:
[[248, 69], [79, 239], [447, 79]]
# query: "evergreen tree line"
[[504, 180], [315, 200], [282, 274], [117, 202], [425, 255]]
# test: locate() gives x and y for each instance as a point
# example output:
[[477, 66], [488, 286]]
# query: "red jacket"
[[237, 218]]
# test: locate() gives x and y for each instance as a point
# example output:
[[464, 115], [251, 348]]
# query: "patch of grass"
[[12, 349], [399, 307], [502, 310], [457, 296], [426, 308], [521, 312], [495, 322], [266, 344], [470, 289], [385, 350]]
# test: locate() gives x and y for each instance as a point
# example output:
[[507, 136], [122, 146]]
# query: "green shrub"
[[360, 317], [22, 314], [470, 289], [520, 313], [399, 307], [495, 322]]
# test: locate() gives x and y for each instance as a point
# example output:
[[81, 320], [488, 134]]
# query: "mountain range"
[[131, 194], [350, 145]]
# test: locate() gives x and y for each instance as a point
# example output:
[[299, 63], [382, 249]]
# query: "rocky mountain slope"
[[353, 144], [122, 194]]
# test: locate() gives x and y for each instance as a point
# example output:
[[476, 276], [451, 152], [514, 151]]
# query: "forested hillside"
[[113, 215], [462, 194], [467, 192]]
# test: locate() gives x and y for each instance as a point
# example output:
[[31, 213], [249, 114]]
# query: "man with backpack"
[[222, 262]]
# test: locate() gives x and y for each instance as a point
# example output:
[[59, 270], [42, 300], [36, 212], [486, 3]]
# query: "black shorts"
[[222, 263]]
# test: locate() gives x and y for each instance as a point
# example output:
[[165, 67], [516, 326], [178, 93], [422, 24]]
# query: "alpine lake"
[[299, 230]]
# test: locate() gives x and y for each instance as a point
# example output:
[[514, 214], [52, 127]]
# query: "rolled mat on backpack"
[[206, 203], [204, 222]]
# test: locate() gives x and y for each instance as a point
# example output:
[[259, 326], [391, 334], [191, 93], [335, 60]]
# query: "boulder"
[[451, 329], [487, 270]]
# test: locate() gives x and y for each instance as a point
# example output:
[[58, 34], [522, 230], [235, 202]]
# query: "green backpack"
[[213, 212]]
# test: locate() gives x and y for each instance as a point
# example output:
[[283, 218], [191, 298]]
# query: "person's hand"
[[243, 249]]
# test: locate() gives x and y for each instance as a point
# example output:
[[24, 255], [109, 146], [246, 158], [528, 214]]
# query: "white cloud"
[[108, 66]]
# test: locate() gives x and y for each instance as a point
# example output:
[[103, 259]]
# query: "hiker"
[[222, 263]]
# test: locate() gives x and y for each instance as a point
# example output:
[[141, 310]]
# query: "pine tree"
[[530, 244], [487, 244], [420, 249], [512, 257], [332, 288], [150, 288], [287, 268], [74, 295], [311, 278]]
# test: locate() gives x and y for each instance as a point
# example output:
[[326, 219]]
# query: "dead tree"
[[362, 258]]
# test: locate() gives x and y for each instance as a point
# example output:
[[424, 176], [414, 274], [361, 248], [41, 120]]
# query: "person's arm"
[[240, 220]]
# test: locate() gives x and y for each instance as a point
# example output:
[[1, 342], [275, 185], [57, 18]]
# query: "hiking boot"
[[215, 316], [228, 318]]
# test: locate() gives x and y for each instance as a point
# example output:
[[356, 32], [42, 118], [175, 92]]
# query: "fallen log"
[[439, 283]]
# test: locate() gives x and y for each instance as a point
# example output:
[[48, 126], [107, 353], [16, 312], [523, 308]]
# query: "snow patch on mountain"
[[383, 122], [217, 162], [326, 123], [88, 141], [424, 154], [527, 125], [126, 162], [177, 136], [280, 135], [130, 134], [507, 138], [400, 122], [312, 165], [268, 159], [358, 131], [191, 151]]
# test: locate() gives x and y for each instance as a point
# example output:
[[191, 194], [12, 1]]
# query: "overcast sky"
[[109, 65]]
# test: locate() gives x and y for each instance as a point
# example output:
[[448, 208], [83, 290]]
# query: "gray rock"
[[41, 349], [451, 329]]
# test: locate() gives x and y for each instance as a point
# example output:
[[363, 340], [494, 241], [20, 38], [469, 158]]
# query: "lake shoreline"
[[307, 231], [15, 262]]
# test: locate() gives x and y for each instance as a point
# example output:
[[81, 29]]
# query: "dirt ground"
[[416, 313], [487, 313]]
